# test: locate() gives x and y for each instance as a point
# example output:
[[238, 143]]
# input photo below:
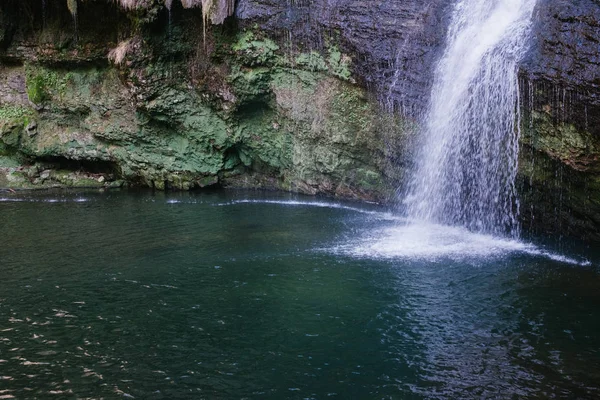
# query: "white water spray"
[[466, 170]]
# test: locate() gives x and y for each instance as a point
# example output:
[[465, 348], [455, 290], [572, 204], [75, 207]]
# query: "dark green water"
[[168, 296]]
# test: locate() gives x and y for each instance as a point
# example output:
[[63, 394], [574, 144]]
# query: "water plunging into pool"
[[467, 164]]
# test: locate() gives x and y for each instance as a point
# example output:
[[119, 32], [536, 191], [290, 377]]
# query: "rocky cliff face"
[[560, 158], [288, 95], [153, 97], [317, 96], [394, 43]]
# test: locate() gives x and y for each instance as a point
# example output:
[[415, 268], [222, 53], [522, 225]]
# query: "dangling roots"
[[72, 6], [214, 10]]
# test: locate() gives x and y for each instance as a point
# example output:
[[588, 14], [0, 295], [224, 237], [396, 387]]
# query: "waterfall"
[[169, 5], [466, 168]]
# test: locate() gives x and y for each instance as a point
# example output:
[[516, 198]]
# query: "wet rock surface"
[[560, 84], [394, 43], [566, 39]]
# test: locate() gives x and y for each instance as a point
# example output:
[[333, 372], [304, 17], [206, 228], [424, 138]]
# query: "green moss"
[[44, 84], [9, 158], [261, 142], [271, 119], [561, 141], [12, 112], [250, 84], [13, 120], [312, 61], [350, 106], [253, 51], [336, 64], [9, 162], [36, 89], [339, 64], [74, 179], [368, 179]]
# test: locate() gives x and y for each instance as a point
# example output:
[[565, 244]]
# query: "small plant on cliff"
[[42, 84], [118, 54], [36, 89], [254, 51], [312, 61], [337, 64], [340, 64], [14, 112], [13, 118]]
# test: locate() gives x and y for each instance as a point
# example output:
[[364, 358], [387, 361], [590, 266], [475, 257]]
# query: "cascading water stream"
[[468, 160], [169, 5]]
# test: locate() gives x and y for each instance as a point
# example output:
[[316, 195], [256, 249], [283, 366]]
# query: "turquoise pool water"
[[230, 295]]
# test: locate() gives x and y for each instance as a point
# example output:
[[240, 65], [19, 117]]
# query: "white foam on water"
[[432, 242], [421, 241], [558, 257]]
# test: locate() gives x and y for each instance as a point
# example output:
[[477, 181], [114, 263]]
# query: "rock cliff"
[[316, 96], [560, 156], [154, 97]]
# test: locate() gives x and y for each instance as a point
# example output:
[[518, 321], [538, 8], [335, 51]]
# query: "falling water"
[[43, 14], [169, 4], [466, 169], [72, 6]]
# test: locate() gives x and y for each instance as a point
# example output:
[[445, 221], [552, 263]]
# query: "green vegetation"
[[42, 84], [253, 113], [253, 51], [312, 61], [13, 120], [12, 112], [36, 89], [339, 64]]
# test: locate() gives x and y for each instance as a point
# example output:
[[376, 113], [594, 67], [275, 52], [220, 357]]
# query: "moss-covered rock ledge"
[[151, 96]]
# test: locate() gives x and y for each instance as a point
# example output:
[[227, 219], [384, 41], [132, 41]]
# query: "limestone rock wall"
[[153, 97]]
